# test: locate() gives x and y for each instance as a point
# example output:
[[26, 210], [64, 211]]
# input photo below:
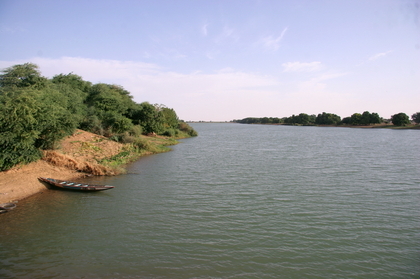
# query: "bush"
[[416, 117], [136, 131], [169, 133], [142, 144], [400, 119], [184, 127]]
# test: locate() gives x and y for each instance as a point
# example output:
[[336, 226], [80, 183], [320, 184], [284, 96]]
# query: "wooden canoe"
[[4, 207], [74, 185]]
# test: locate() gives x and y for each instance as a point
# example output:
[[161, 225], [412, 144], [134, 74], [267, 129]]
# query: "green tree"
[[18, 127], [74, 81], [116, 123], [346, 120], [400, 119], [305, 119], [91, 122], [416, 117], [75, 89], [23, 75], [104, 98], [265, 120], [327, 119], [356, 119], [365, 119], [33, 115], [375, 118], [55, 120], [170, 118], [149, 118]]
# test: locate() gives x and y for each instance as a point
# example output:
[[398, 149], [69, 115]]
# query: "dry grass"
[[57, 159], [93, 154]]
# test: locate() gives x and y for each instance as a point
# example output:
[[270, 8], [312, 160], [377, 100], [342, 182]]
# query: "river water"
[[238, 201]]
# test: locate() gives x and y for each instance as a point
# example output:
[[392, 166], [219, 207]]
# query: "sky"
[[214, 60]]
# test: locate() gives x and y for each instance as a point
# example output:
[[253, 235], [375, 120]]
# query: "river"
[[238, 201]]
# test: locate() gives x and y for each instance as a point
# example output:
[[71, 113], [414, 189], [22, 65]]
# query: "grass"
[[89, 158], [141, 146]]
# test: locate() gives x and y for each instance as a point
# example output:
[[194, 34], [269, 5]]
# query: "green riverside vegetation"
[[37, 112], [357, 119]]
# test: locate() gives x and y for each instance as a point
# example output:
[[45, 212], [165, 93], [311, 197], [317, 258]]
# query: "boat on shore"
[[5, 207], [74, 185]]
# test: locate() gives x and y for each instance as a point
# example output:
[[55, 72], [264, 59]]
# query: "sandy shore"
[[80, 148], [22, 182]]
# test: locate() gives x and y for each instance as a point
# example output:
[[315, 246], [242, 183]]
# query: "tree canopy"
[[37, 112], [416, 117], [356, 119], [400, 119]]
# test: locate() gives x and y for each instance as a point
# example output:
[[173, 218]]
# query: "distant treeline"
[[365, 118], [37, 112]]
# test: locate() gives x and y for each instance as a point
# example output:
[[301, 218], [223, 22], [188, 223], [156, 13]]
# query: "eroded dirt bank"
[[81, 148]]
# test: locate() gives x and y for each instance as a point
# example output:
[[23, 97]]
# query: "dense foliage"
[[400, 119], [301, 119], [36, 112], [366, 118], [416, 117]]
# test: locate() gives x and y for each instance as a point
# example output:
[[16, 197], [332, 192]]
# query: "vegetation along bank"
[[70, 126]]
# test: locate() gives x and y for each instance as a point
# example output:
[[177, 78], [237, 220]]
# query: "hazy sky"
[[229, 59]]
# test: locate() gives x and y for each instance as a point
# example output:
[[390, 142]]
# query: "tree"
[[265, 120], [148, 117], [74, 88], [55, 120], [18, 128], [170, 118], [116, 123], [375, 118], [33, 115], [365, 119], [416, 117], [346, 120], [103, 98], [22, 75], [400, 119], [75, 101], [74, 81], [356, 119], [327, 119]]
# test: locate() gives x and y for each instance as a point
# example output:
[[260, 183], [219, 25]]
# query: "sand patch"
[[76, 158]]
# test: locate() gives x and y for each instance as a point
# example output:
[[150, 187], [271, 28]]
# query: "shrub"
[[169, 133], [184, 127], [400, 119], [136, 130], [142, 144]]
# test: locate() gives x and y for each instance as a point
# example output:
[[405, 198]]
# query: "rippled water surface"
[[239, 201]]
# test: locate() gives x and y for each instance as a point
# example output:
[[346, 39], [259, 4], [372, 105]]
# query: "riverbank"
[[22, 182], [77, 157]]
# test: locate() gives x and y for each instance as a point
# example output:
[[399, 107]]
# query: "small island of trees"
[[37, 112]]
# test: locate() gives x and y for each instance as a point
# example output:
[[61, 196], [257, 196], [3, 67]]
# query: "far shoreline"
[[376, 126]]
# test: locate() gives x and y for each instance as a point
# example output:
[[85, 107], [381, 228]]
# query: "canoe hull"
[[75, 186], [5, 207]]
